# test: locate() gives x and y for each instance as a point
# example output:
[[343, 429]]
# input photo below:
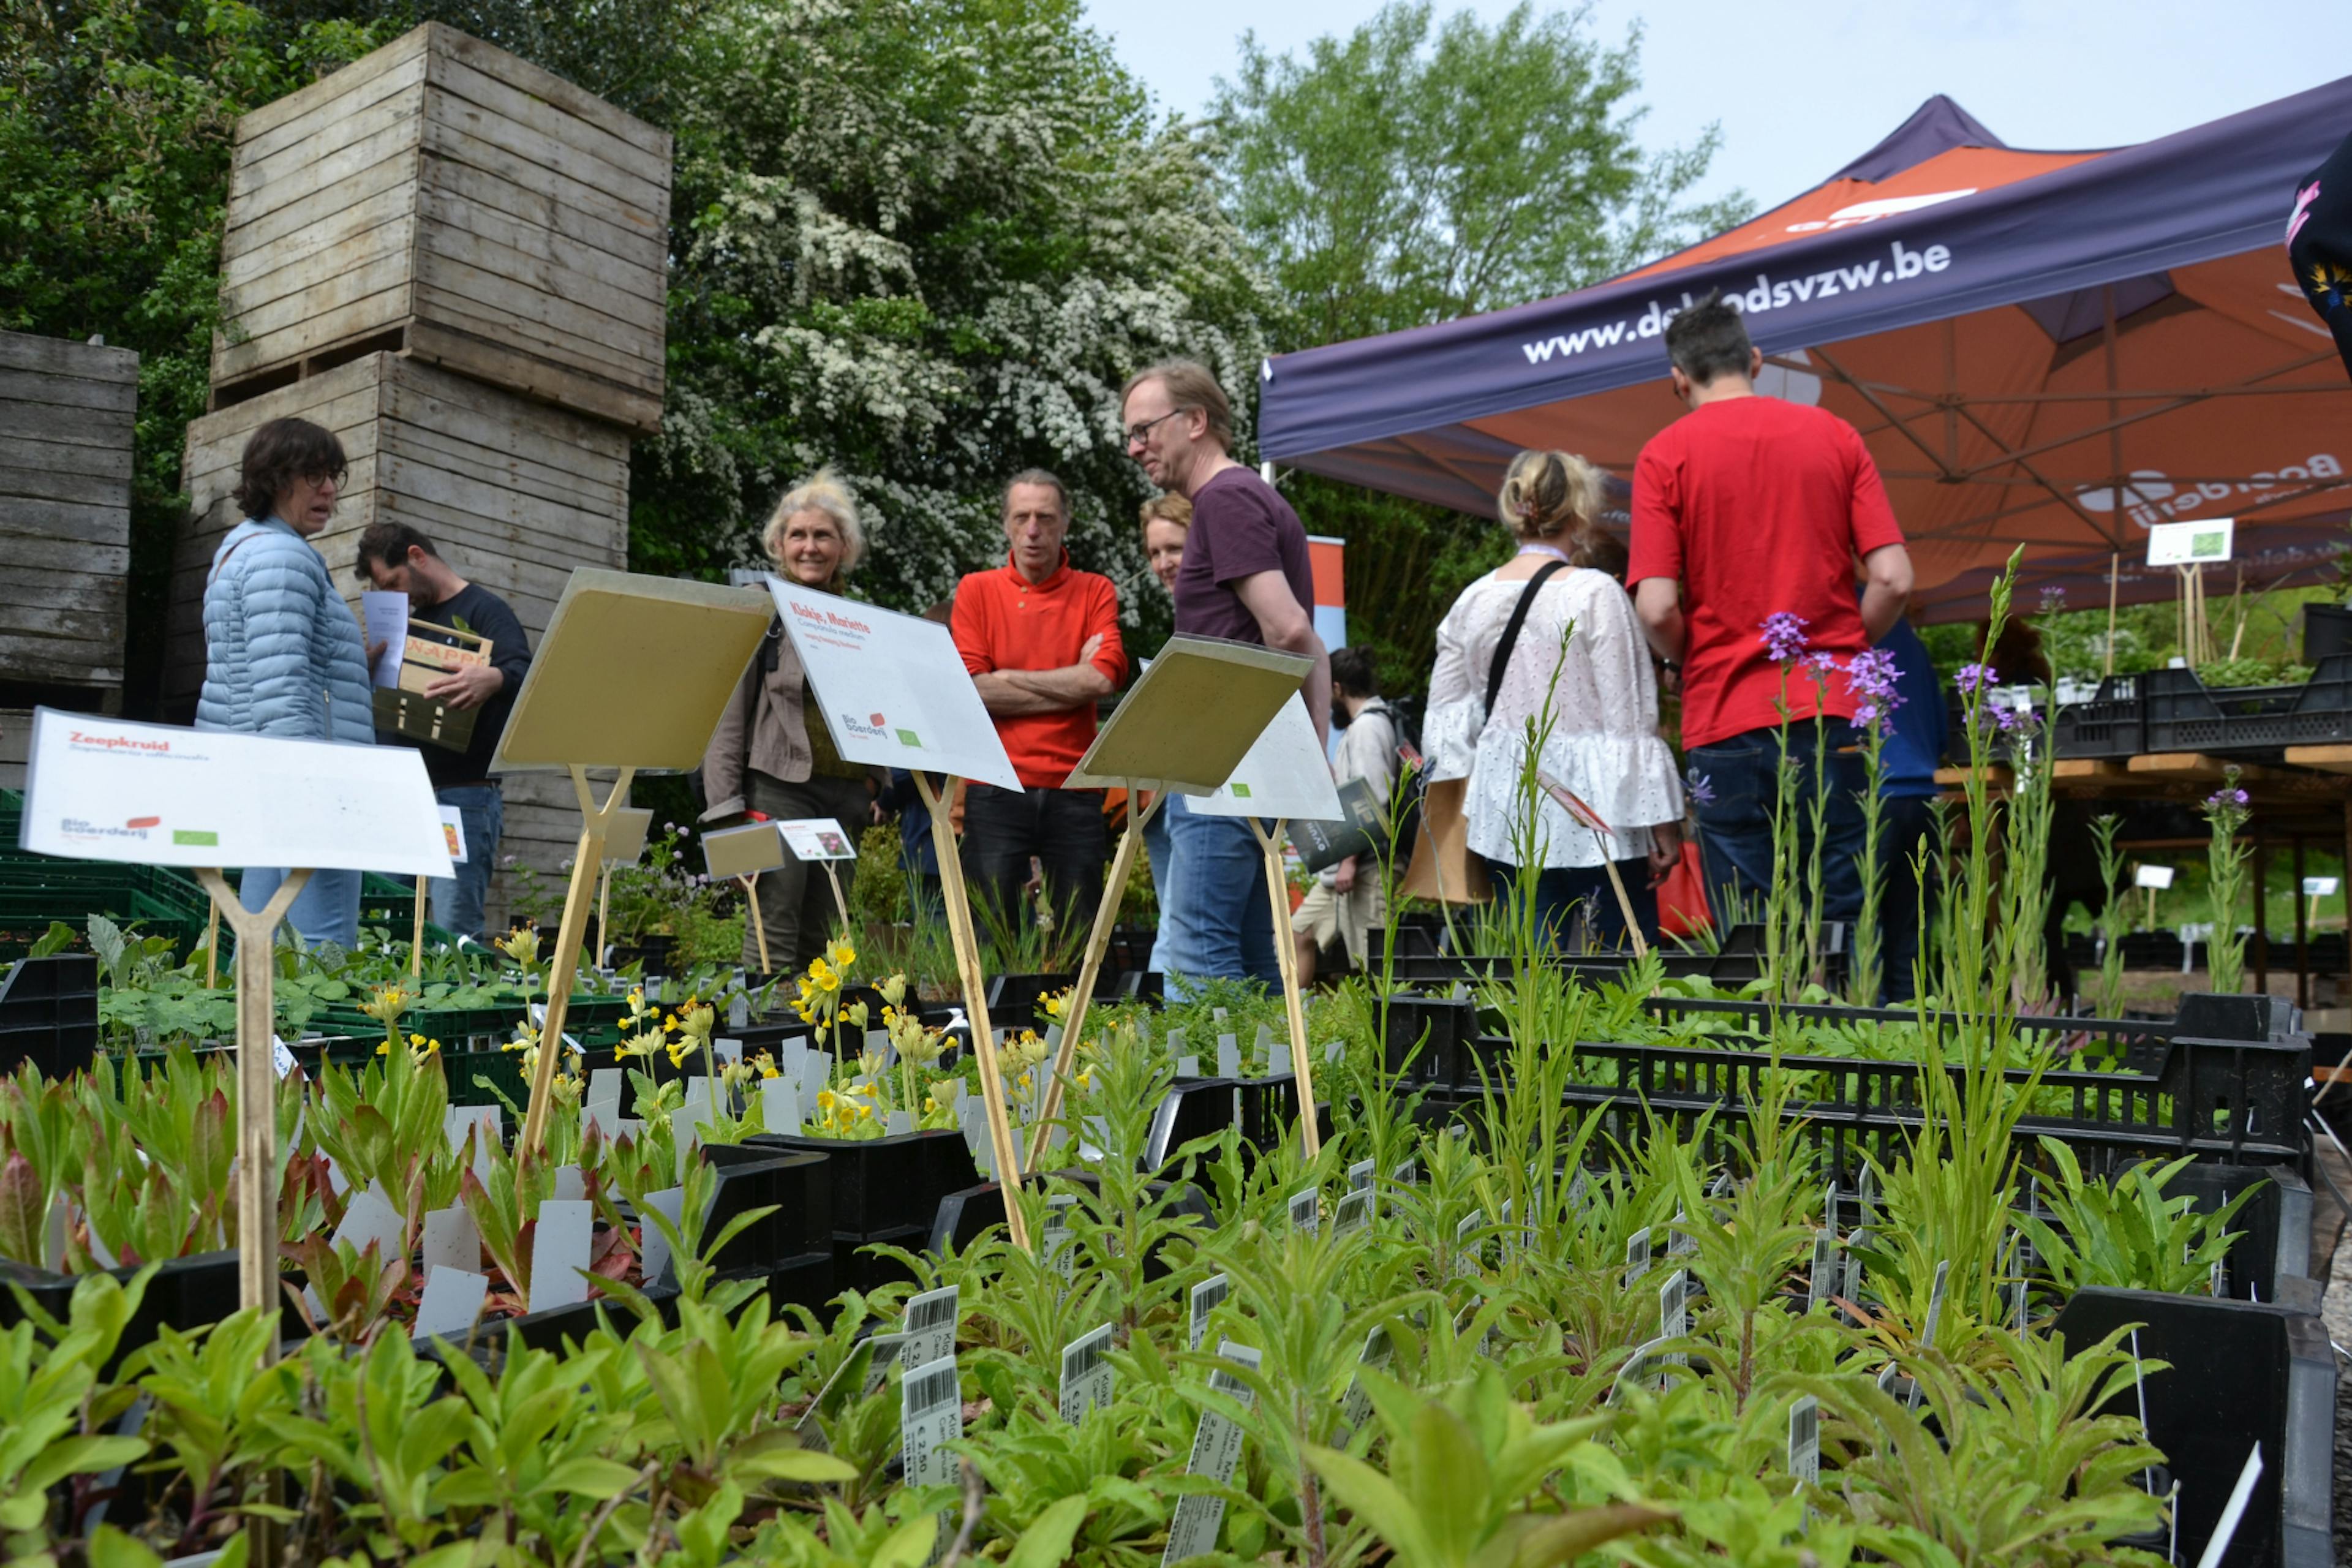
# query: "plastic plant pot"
[[886, 1184]]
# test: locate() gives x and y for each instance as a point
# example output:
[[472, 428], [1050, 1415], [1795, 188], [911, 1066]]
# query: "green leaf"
[[1046, 1543], [589, 1476], [1565, 1536], [1375, 1500]]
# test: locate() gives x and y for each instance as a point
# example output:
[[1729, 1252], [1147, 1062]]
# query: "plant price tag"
[[1229, 1057], [930, 1412], [653, 1246], [1824, 1281], [1362, 1175], [1637, 1257], [1354, 1212], [930, 1328], [559, 1253], [1355, 1407], [1216, 1453], [1055, 1242], [452, 1301], [1087, 1376], [1805, 1441], [1674, 1315], [1466, 1261], [1307, 1211], [1206, 1296]]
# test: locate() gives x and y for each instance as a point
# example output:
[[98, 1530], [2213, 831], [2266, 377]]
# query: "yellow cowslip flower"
[[826, 1099], [767, 1068], [431, 1046], [521, 944], [841, 953], [866, 1111], [387, 1003], [385, 1049], [824, 977], [894, 990], [678, 1053], [864, 1088], [855, 1015], [1055, 1004]]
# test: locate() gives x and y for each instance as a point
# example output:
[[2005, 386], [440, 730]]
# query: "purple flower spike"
[[2053, 598], [1701, 791], [1871, 676], [1784, 637], [2228, 799], [1973, 678], [1820, 661]]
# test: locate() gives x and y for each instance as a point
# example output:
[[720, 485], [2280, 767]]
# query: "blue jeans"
[[1156, 849], [1559, 889], [326, 910], [1216, 924], [456, 902], [1735, 828]]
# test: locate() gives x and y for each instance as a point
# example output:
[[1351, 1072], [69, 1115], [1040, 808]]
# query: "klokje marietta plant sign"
[[102, 789], [893, 690]]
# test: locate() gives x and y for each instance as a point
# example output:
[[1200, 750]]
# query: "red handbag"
[[1682, 897]]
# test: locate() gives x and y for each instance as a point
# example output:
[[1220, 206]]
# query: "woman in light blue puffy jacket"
[[283, 653]]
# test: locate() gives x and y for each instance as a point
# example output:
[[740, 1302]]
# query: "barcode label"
[[1934, 1317], [1087, 1376], [1637, 1365], [1674, 1319], [1061, 1255], [931, 1416], [1509, 1233], [1576, 1189], [1824, 1284], [1466, 1260], [1216, 1453], [1637, 1257], [1362, 1175], [1206, 1296], [1354, 1213], [1805, 1441], [1680, 1242], [1407, 1175], [1307, 1211], [1356, 1408], [930, 1327], [1853, 1246]]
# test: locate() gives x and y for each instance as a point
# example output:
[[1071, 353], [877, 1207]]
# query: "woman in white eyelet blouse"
[[1603, 744]]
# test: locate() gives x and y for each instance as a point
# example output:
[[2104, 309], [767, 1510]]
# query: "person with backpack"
[[1544, 649]]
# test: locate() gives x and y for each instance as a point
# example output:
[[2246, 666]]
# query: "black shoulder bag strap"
[[1511, 631]]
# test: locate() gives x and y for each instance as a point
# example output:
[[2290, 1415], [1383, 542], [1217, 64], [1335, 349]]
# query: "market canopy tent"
[[2023, 338]]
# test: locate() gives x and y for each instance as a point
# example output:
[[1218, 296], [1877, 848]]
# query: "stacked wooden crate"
[[66, 413], [457, 262]]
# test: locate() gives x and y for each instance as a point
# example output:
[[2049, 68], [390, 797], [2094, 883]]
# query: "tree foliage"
[[1415, 171], [925, 241]]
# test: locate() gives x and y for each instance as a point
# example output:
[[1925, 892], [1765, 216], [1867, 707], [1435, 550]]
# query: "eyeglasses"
[[1137, 435]]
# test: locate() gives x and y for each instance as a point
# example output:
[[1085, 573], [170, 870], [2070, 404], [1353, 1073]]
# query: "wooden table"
[[2305, 796]]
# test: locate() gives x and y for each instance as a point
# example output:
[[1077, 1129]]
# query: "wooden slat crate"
[[443, 198], [513, 493], [66, 411]]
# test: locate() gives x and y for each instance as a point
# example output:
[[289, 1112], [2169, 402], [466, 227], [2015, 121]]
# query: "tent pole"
[[2115, 569]]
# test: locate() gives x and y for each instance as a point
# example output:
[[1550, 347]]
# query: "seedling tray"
[[2184, 714], [48, 1015], [796, 1187], [187, 1294], [2111, 724]]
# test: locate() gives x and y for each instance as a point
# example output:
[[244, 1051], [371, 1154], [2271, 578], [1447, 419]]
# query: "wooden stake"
[[605, 915], [758, 924], [212, 943], [839, 903], [1074, 1017], [975, 1007], [2116, 570], [1277, 888], [416, 931], [1625, 904], [587, 860], [256, 1084]]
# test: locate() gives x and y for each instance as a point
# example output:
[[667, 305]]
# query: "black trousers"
[[1062, 827]]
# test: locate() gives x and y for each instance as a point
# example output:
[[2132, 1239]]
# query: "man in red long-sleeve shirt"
[[1041, 640]]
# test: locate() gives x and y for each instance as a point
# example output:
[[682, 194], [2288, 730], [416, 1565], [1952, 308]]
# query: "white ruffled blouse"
[[1603, 744]]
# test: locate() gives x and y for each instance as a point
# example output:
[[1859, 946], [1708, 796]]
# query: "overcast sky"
[[1800, 87]]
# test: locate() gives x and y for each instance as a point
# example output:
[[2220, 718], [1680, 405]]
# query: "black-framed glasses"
[[1139, 434]]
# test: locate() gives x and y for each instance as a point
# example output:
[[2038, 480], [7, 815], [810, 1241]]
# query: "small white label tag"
[[1805, 1441], [452, 1301], [930, 1414], [1466, 1261], [1216, 1453], [1824, 1281], [1188, 1066], [559, 1253], [1087, 1376], [1637, 1257], [280, 1057], [451, 1240], [1204, 1300], [1354, 1213], [568, 1183], [1229, 1057], [930, 1327], [1055, 1244], [1307, 1211], [780, 1105], [653, 1247], [1355, 1407], [1362, 1175]]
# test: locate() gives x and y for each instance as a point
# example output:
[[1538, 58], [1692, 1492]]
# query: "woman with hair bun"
[[1578, 653]]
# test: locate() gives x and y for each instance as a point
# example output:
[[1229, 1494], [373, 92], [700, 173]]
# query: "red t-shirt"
[[1003, 621], [1757, 506]]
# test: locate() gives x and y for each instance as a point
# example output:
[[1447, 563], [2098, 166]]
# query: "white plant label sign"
[[930, 1328], [1205, 1297], [1825, 1282], [1805, 1441], [1307, 1211], [930, 1412], [1216, 1453], [2192, 544], [1356, 1408], [1354, 1212], [104, 789], [1055, 1242]]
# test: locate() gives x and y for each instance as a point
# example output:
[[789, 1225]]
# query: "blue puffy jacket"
[[283, 653]]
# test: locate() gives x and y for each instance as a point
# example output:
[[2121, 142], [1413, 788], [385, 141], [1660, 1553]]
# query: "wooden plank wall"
[[67, 414], [514, 494], [445, 197]]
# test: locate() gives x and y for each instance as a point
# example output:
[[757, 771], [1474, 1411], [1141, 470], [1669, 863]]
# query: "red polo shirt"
[[1003, 621]]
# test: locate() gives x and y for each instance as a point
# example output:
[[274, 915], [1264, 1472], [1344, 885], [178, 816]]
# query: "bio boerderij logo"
[[875, 727]]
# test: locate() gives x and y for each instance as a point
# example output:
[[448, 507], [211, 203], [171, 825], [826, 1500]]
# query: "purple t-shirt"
[[1241, 526]]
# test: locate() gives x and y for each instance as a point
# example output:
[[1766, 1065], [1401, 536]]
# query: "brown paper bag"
[[1443, 868]]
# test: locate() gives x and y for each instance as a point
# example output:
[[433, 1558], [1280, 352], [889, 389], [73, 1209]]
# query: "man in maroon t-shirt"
[[1745, 508], [1245, 577]]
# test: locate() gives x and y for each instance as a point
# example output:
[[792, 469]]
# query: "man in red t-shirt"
[[1745, 510], [1041, 640]]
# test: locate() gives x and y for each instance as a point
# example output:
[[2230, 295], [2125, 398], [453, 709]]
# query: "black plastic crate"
[[965, 1215], [855, 1269], [1012, 1000], [187, 1293], [2240, 1372], [886, 1184], [796, 1187], [2113, 723], [2184, 714], [49, 1014], [2223, 1082]]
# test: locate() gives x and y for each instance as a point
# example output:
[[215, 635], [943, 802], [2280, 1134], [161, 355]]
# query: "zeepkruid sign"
[[104, 789]]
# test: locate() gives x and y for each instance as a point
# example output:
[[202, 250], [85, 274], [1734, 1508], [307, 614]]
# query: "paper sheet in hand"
[[817, 838], [101, 789], [386, 616], [634, 672], [1191, 719], [1283, 775], [892, 687]]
